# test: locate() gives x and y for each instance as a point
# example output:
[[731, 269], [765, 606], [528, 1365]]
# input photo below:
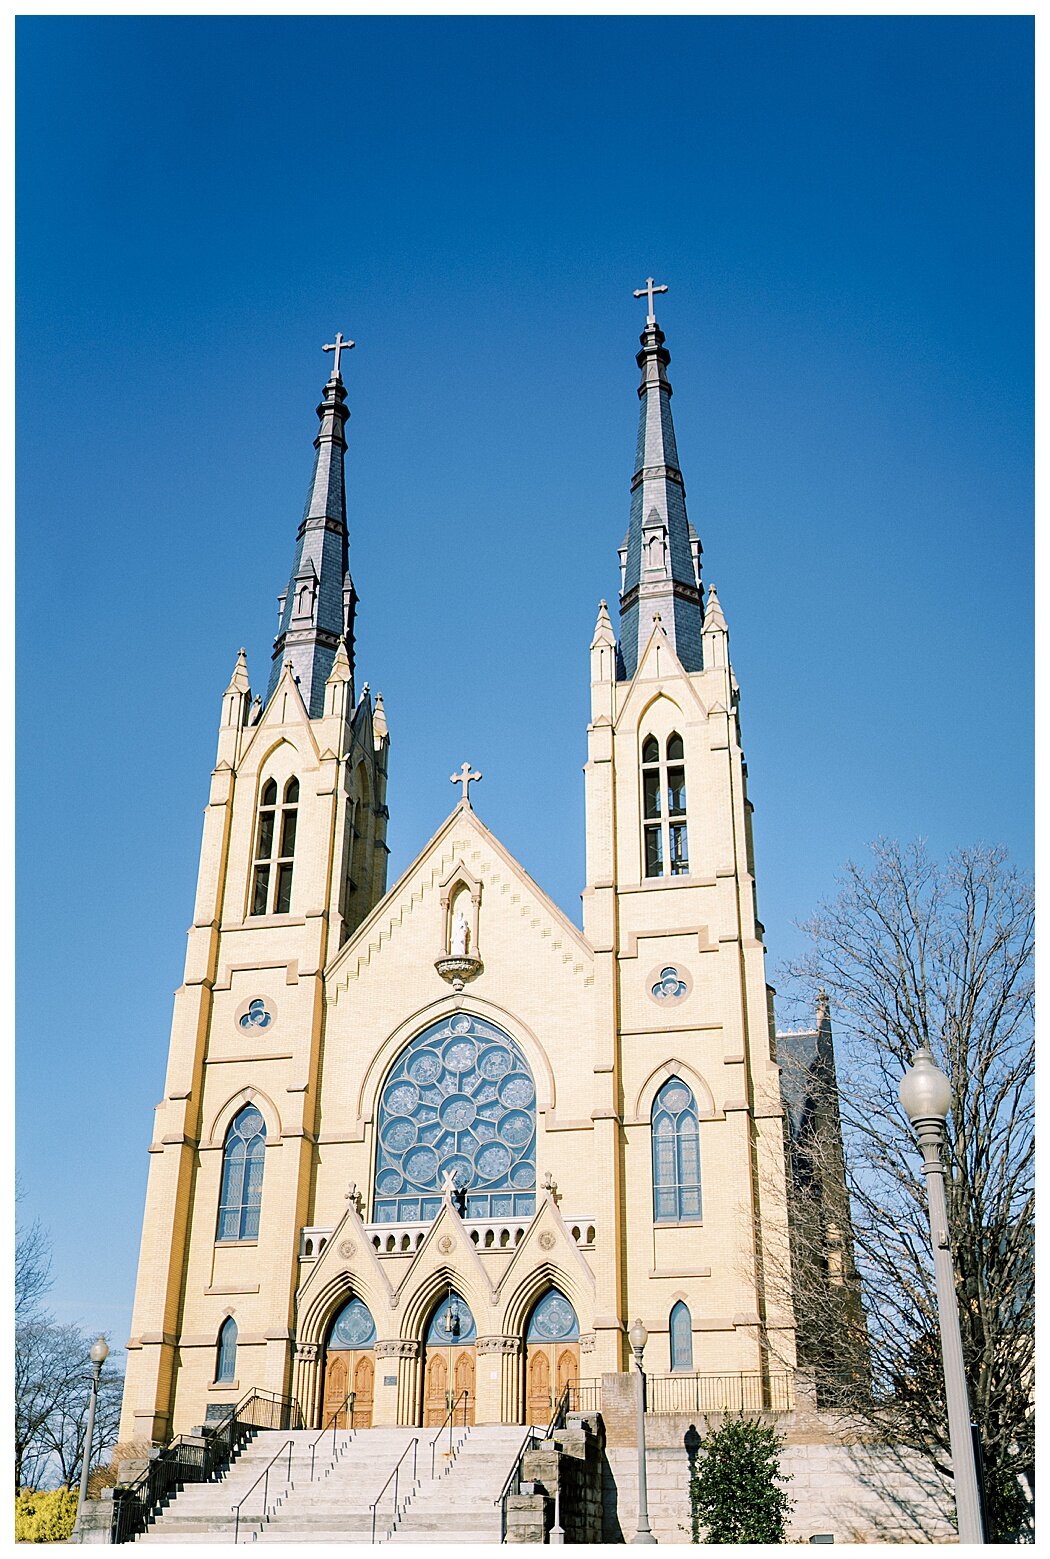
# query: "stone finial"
[[714, 617], [380, 730], [341, 669], [603, 629]]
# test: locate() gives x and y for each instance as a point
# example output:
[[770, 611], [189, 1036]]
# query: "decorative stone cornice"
[[511, 1345], [397, 1348]]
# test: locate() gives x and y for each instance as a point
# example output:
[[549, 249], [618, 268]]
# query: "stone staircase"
[[456, 1504]]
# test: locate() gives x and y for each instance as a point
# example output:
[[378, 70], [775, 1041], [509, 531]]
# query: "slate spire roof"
[[660, 556], [317, 608]]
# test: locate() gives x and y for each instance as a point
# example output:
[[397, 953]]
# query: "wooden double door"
[[448, 1373], [549, 1368], [347, 1371]]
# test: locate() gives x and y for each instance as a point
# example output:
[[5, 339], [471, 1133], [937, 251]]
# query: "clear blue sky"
[[842, 210]]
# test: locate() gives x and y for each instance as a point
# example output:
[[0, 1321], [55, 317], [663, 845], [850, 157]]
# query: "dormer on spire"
[[660, 558], [317, 608]]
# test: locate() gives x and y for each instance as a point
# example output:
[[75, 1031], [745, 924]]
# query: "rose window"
[[460, 1101]]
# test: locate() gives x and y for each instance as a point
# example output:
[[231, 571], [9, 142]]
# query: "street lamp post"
[[925, 1094], [638, 1337], [99, 1355]]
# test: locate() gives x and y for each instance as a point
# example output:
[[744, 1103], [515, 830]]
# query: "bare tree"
[[914, 953], [53, 1379]]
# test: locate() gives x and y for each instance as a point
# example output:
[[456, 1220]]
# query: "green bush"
[[734, 1493], [45, 1515]]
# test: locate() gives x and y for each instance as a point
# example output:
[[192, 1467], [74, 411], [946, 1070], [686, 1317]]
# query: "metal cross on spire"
[[647, 291], [464, 778], [339, 345]]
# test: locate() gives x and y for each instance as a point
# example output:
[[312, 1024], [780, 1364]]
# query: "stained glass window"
[[226, 1354], [451, 1323], [242, 1176], [553, 1320], [461, 1101], [676, 1154], [353, 1327], [681, 1337]]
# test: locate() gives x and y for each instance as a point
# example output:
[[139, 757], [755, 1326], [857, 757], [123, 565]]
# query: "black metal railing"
[[197, 1459], [512, 1484], [333, 1424], [264, 1479], [395, 1478], [460, 1404], [532, 1441], [585, 1396], [739, 1392]]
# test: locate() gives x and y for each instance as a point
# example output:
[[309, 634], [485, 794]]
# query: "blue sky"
[[842, 209]]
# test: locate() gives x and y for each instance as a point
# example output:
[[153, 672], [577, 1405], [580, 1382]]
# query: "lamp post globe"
[[99, 1351], [925, 1092], [926, 1097], [638, 1336]]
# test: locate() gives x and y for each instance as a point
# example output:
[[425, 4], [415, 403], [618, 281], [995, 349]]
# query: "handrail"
[[560, 1410], [264, 1475], [450, 1419], [351, 1397], [412, 1446], [513, 1476]]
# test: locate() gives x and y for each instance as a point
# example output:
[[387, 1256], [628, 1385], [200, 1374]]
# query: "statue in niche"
[[459, 944]]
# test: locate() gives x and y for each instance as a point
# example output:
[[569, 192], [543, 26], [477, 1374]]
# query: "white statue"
[[460, 933]]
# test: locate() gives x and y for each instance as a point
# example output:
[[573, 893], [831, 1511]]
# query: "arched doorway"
[[449, 1362], [349, 1366], [552, 1355]]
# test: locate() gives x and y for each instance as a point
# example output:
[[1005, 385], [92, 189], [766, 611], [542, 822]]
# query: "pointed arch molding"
[[706, 1108], [447, 1007], [639, 702], [263, 1103], [459, 878]]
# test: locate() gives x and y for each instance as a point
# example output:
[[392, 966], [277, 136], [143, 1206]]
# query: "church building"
[[430, 1142]]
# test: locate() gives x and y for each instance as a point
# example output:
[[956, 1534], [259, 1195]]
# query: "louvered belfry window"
[[275, 849], [665, 836]]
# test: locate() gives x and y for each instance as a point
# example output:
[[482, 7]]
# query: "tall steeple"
[[660, 557], [317, 608]]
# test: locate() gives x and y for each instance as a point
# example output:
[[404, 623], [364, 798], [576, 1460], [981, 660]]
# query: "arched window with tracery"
[[460, 1100], [676, 1154], [240, 1200], [226, 1352], [664, 827], [275, 849], [681, 1329]]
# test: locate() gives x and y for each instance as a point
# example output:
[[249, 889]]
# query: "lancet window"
[[681, 1329], [676, 1154], [226, 1352], [458, 1110], [275, 849], [242, 1176], [665, 836]]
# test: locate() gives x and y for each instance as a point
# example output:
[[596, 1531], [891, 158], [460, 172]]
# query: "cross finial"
[[464, 778], [647, 291], [339, 345]]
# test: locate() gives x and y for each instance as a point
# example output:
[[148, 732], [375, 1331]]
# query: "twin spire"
[[659, 558]]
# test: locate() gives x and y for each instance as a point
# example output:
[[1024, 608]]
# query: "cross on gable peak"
[[465, 777]]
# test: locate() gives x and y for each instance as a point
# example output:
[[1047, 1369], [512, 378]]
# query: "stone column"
[[498, 1368], [306, 1382], [404, 1406]]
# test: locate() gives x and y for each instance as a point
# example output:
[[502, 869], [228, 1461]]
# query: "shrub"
[[734, 1493], [45, 1515]]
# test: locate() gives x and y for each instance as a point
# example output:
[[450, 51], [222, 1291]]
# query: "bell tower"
[[293, 858], [691, 1117]]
